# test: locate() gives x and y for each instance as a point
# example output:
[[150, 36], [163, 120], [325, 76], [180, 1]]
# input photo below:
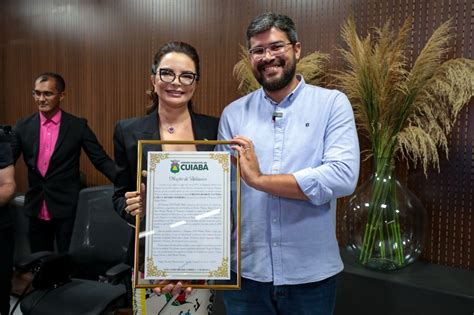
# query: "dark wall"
[[104, 50]]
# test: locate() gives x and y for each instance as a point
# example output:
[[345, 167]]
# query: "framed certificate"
[[190, 227]]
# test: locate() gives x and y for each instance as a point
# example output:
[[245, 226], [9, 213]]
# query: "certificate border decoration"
[[157, 158], [222, 270], [153, 269], [154, 158], [223, 159]]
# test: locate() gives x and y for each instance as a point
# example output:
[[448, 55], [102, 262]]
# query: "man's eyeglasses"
[[185, 78], [275, 49], [47, 94]]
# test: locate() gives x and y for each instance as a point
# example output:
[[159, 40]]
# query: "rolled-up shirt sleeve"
[[339, 170]]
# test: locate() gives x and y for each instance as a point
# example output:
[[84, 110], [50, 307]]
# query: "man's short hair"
[[267, 20], [60, 84]]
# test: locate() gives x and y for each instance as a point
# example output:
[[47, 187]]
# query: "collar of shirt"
[[288, 100], [55, 119]]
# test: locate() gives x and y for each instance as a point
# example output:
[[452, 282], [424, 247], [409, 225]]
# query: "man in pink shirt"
[[51, 142]]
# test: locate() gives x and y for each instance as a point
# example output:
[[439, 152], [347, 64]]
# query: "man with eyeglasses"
[[51, 142], [299, 151]]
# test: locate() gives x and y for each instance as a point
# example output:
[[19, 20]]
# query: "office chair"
[[90, 279]]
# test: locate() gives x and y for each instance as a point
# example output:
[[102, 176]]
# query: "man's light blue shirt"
[[313, 137]]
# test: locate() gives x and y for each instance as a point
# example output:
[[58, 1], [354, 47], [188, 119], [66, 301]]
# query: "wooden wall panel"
[[104, 49]]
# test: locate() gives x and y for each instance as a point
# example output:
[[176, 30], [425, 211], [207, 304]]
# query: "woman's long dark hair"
[[178, 47]]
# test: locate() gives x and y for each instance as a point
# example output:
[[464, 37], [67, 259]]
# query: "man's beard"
[[288, 74]]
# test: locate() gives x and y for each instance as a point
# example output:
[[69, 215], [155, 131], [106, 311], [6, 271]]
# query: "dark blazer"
[[126, 135], [60, 186]]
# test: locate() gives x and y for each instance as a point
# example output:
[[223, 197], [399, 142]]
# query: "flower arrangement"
[[411, 111]]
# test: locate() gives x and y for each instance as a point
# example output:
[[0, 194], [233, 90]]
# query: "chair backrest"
[[100, 237]]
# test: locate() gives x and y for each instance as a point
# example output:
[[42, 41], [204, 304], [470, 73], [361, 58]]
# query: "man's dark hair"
[[266, 21], [60, 84]]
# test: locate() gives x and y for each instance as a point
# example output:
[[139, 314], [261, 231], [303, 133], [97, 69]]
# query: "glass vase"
[[383, 222]]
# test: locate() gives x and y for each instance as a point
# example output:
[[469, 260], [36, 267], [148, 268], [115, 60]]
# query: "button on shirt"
[[310, 134], [49, 132]]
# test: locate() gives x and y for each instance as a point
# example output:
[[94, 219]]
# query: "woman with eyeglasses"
[[174, 76]]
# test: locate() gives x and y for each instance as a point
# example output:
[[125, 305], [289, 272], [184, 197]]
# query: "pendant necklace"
[[169, 129]]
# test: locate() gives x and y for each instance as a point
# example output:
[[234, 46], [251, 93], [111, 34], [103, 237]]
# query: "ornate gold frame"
[[136, 283]]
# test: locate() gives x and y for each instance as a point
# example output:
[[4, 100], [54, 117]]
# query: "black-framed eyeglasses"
[[275, 49], [46, 94], [185, 78]]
